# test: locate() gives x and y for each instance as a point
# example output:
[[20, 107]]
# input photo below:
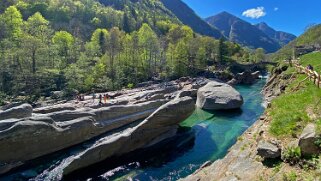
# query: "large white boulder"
[[218, 96]]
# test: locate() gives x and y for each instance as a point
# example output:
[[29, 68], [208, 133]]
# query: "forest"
[[84, 46]]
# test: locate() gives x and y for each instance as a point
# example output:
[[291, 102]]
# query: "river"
[[205, 136]]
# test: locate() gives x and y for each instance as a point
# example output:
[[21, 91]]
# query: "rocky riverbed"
[[142, 117]]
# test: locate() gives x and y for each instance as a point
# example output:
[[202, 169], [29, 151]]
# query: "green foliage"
[[12, 19], [290, 176], [70, 46], [309, 37], [292, 155], [130, 86]]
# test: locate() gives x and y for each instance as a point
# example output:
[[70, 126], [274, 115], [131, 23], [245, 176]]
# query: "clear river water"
[[205, 136]]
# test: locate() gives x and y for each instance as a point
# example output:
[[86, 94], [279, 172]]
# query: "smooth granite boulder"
[[33, 137], [54, 108], [218, 96], [160, 125], [22, 111]]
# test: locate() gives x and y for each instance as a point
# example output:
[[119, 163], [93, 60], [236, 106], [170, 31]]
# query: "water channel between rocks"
[[205, 136]]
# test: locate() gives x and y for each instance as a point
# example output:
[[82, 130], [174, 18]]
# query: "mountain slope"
[[282, 37], [311, 37], [242, 32], [186, 15]]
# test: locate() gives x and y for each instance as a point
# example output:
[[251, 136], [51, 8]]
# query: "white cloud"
[[276, 9], [255, 13]]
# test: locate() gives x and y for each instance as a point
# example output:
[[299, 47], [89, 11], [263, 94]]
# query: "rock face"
[[162, 124], [29, 138], [245, 78], [112, 127], [268, 150], [218, 96], [307, 141], [22, 111], [56, 108]]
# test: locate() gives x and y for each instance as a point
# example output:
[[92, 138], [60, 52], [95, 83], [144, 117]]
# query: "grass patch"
[[290, 176], [289, 111]]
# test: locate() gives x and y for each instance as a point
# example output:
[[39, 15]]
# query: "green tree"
[[38, 26], [259, 55], [148, 41], [99, 40], [64, 42], [222, 50], [13, 22]]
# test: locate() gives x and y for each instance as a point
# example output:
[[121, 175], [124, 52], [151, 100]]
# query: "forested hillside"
[[190, 18], [83, 46]]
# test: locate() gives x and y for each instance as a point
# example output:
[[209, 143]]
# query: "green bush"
[[290, 176], [130, 86], [292, 155]]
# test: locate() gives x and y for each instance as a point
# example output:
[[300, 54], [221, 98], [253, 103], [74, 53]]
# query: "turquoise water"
[[215, 133], [204, 136]]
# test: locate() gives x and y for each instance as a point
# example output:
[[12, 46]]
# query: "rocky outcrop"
[[30, 138], [307, 141], [55, 108], [268, 150], [22, 111], [162, 124], [62, 116], [34, 137], [245, 78], [114, 112], [218, 96], [277, 83]]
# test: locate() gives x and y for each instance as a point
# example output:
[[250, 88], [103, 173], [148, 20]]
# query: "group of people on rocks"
[[103, 98]]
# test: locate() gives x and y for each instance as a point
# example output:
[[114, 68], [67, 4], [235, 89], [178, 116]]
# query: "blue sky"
[[292, 16]]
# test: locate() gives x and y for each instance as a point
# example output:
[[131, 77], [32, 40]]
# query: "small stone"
[[268, 150]]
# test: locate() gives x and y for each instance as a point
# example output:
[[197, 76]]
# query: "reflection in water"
[[204, 136]]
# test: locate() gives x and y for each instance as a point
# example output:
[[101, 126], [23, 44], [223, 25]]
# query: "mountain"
[[186, 15], [242, 32], [310, 37], [282, 37]]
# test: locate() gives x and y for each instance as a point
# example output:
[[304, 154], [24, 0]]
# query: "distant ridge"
[[253, 36], [282, 37]]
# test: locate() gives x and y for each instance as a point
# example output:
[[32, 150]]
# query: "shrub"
[[290, 176], [292, 155], [130, 86]]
